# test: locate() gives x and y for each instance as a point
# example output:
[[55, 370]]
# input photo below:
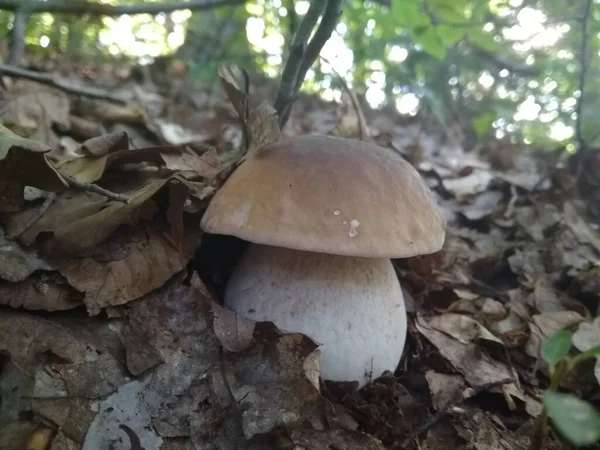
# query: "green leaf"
[[577, 420], [450, 34], [407, 13], [556, 347], [431, 42], [481, 124], [479, 37]]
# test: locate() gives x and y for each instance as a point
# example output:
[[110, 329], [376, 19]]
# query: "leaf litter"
[[108, 341]]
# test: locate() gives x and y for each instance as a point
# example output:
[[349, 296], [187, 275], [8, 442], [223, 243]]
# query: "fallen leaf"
[[234, 332], [40, 291], [23, 163], [444, 389], [149, 260], [17, 263]]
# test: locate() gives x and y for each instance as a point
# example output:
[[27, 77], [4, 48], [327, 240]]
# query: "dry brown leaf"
[[23, 163], [586, 337], [461, 327], [474, 183], [445, 389], [62, 362], [269, 381], [477, 368], [235, 332], [234, 80], [111, 113], [263, 129], [149, 260], [17, 263], [85, 129], [206, 165], [40, 291], [34, 114], [81, 220]]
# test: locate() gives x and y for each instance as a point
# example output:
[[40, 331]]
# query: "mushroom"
[[324, 216]]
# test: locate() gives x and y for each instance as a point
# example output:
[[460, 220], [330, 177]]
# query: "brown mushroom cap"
[[330, 195]]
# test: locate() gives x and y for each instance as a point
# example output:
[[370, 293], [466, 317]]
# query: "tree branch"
[[333, 10], [285, 95], [50, 79], [99, 9], [583, 67]]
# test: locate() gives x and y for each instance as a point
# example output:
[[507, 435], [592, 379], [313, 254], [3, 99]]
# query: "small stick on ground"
[[90, 187]]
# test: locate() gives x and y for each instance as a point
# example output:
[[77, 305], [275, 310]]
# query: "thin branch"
[[285, 95], [330, 18], [54, 81], [99, 9], [363, 128], [90, 187], [17, 36], [583, 67]]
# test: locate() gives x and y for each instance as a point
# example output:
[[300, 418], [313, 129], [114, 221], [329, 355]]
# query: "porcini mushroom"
[[324, 215]]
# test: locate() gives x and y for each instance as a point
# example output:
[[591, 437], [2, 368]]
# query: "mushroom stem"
[[352, 306]]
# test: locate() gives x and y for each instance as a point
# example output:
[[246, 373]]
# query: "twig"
[[36, 216], [101, 9], [17, 35], [285, 95], [54, 81], [90, 187], [363, 129], [583, 67], [329, 20], [446, 409]]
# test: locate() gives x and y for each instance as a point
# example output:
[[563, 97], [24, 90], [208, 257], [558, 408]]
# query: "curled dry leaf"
[[235, 83], [149, 259], [234, 331], [81, 220], [445, 389], [35, 114], [477, 368], [40, 291], [23, 163], [263, 128]]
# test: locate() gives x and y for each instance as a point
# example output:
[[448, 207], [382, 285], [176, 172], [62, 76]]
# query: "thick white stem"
[[352, 306]]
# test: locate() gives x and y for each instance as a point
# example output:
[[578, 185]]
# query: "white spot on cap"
[[336, 212], [354, 224]]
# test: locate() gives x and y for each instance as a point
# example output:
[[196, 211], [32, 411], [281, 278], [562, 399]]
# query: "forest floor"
[[106, 342]]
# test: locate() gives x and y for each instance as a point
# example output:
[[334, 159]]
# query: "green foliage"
[[556, 347], [577, 420]]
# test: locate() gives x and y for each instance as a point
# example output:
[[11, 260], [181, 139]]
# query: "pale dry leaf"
[[474, 183], [586, 337], [150, 260], [23, 163], [477, 368], [263, 129], [79, 367], [81, 220], [234, 331], [461, 327], [445, 389], [234, 80], [17, 262], [206, 166], [40, 291], [36, 113]]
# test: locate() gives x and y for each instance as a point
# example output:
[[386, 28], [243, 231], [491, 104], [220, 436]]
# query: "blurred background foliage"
[[506, 67]]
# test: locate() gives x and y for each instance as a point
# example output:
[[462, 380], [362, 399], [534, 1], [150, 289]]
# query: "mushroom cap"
[[353, 307], [331, 195]]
